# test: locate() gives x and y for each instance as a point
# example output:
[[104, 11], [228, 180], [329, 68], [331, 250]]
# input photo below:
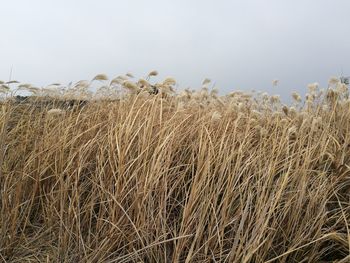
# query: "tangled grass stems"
[[190, 177]]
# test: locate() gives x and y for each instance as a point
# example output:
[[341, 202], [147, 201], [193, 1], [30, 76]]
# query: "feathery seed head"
[[24, 86], [103, 88], [153, 73], [34, 90], [100, 77], [130, 86], [55, 84], [82, 84], [165, 89], [275, 99], [333, 81], [169, 81], [310, 97], [206, 81], [12, 82], [55, 112], [143, 82], [265, 96], [214, 91], [117, 81], [313, 87]]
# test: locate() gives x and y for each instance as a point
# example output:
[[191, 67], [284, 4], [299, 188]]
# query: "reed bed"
[[134, 176]]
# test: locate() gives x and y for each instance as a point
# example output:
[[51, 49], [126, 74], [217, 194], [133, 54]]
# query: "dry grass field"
[[140, 173]]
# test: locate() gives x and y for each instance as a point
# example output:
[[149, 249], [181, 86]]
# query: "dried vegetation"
[[141, 173]]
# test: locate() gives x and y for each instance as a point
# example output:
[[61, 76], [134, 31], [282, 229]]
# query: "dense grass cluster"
[[133, 176]]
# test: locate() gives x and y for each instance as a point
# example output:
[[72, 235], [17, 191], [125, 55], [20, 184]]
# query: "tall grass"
[[190, 177]]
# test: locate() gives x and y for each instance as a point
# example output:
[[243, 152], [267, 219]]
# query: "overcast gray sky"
[[238, 44]]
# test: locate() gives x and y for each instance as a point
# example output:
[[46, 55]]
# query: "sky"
[[239, 45]]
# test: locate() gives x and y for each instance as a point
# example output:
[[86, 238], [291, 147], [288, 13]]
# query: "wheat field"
[[137, 172]]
